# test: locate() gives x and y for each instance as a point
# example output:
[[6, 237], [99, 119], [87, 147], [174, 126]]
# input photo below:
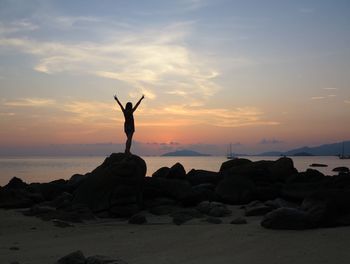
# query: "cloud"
[[17, 26], [347, 101], [31, 102], [270, 141], [332, 95], [157, 58], [107, 114], [318, 98], [188, 115], [330, 88]]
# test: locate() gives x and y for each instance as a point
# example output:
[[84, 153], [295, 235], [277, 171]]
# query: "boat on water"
[[343, 156], [230, 154]]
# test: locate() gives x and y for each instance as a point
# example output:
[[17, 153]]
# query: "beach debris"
[[239, 221]]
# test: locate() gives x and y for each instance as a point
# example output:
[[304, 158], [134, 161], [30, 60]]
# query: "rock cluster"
[[287, 199]]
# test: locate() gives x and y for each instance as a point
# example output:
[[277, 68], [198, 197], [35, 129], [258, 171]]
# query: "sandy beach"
[[30, 240]]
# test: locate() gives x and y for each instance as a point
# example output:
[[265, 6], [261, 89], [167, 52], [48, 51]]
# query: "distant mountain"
[[271, 153], [323, 150], [302, 154], [184, 153]]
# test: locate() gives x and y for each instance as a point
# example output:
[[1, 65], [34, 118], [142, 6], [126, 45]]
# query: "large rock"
[[233, 163], [18, 194], [328, 208], [236, 189], [114, 186], [177, 171], [197, 177], [287, 218], [170, 188], [272, 171], [161, 172]]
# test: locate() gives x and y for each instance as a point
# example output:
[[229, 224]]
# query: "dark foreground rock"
[[287, 218], [18, 194], [115, 187], [77, 257]]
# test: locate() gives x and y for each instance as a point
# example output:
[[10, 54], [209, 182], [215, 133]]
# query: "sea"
[[44, 169]]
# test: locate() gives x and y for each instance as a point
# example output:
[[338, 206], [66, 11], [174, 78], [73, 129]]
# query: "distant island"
[[302, 154], [184, 153]]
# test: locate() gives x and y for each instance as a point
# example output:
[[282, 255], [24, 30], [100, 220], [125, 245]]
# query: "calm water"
[[44, 169]]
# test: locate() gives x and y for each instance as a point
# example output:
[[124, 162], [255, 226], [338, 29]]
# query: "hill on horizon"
[[333, 149], [184, 153]]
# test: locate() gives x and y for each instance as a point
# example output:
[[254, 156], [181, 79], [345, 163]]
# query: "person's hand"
[[115, 97], [143, 96]]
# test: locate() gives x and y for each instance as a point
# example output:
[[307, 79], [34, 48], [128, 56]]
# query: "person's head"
[[128, 106]]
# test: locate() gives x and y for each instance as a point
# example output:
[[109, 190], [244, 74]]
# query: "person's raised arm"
[[119, 103], [138, 103]]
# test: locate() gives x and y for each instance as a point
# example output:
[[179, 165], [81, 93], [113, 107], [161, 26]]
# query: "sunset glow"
[[263, 75]]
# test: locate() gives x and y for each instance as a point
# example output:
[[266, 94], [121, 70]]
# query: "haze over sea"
[[45, 169]]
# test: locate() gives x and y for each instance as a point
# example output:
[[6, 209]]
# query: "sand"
[[33, 241]]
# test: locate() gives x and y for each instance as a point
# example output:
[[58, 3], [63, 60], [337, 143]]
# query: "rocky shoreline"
[[119, 188]]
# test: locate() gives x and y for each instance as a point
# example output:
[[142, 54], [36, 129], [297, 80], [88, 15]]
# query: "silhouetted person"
[[129, 125]]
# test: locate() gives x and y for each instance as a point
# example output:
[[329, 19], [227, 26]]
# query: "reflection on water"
[[44, 169]]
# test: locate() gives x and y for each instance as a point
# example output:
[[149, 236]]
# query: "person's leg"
[[128, 143]]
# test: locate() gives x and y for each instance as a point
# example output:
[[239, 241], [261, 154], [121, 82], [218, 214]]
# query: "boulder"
[[239, 221], [197, 177], [233, 163], [318, 165], [328, 208], [308, 176], [236, 189], [279, 203], [169, 188], [161, 210], [199, 193], [17, 194], [214, 209], [16, 183], [270, 171], [119, 177], [161, 172], [257, 208], [76, 257], [138, 219], [177, 171], [51, 190], [287, 218], [341, 169], [213, 220], [183, 216], [98, 259]]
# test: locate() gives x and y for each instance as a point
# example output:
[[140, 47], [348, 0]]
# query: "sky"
[[262, 75]]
